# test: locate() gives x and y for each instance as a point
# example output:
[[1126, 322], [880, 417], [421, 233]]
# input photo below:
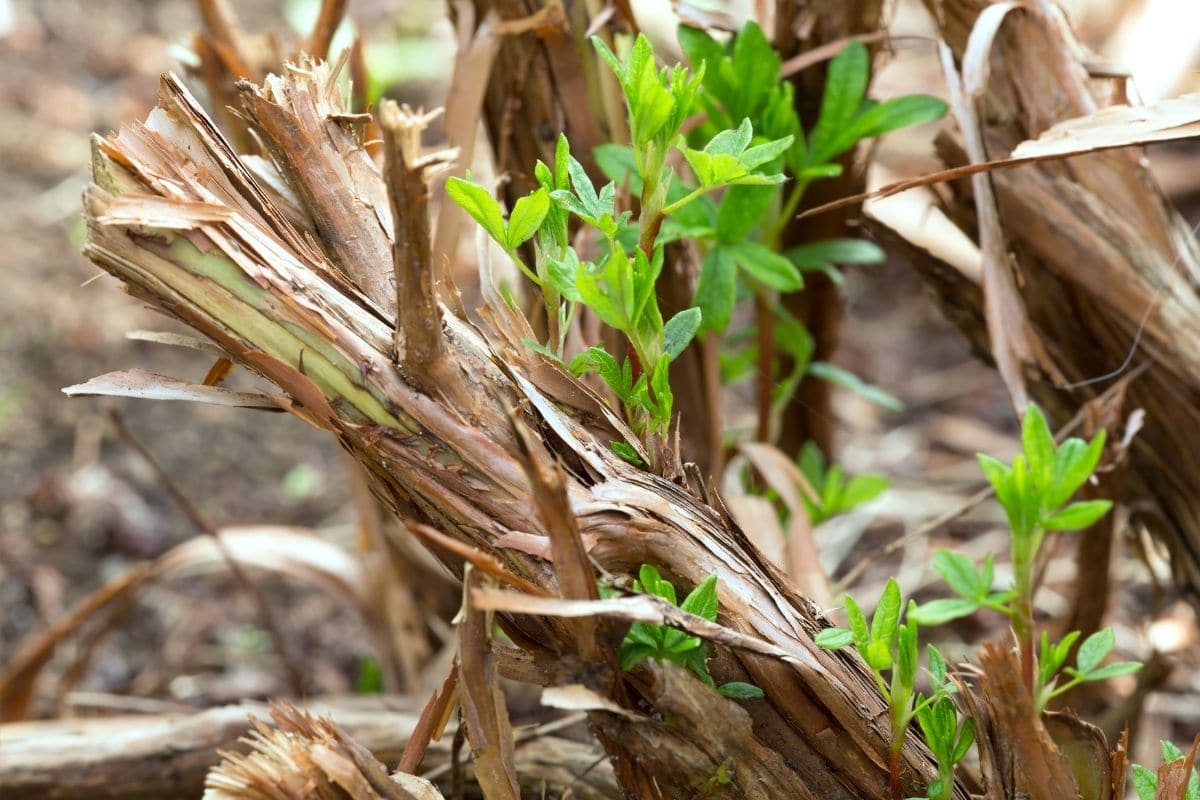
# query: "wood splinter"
[[419, 317]]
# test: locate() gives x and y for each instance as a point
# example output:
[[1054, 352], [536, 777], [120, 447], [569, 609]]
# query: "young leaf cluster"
[[739, 236], [888, 646], [659, 101], [835, 492], [972, 585], [948, 737], [664, 643], [1035, 491], [1089, 664], [619, 285]]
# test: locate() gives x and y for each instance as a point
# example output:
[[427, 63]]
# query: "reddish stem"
[[894, 770], [764, 320]]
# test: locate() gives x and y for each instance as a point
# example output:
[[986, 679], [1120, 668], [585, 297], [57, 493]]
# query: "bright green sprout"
[[1035, 492], [664, 643], [891, 647]]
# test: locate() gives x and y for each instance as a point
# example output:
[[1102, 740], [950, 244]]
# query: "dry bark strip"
[[449, 457], [1108, 270]]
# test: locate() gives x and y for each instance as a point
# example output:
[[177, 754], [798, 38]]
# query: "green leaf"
[[834, 638], [679, 331], [765, 265], [1024, 506], [1170, 751], [943, 610], [897, 113], [640, 632], [937, 664], [862, 489], [741, 210], [1094, 649], [682, 643], [526, 218], [755, 157], [598, 359], [905, 671], [562, 155], [632, 653], [1073, 465], [965, 739], [731, 142], [1038, 443], [831, 492], [626, 452], [818, 171], [1145, 783], [816, 255], [999, 475], [850, 381], [755, 66], [697, 662], [812, 463], [541, 349], [608, 290], [845, 87], [370, 677], [702, 601], [563, 274], [960, 574], [659, 381], [1078, 516], [716, 292], [858, 624], [645, 276], [651, 581], [584, 189], [700, 49], [479, 203], [879, 656], [618, 163], [1113, 670], [610, 58], [887, 614], [740, 691], [1053, 656]]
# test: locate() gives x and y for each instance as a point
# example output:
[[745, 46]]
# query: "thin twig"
[[419, 331], [202, 523]]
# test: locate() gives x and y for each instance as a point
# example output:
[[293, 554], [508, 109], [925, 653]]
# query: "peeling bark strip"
[[273, 301], [296, 116]]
